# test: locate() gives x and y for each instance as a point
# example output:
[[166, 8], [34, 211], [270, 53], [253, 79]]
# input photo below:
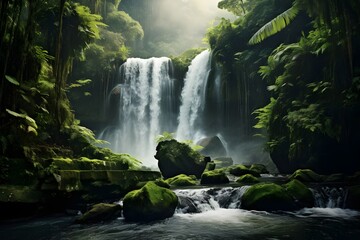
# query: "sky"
[[178, 25]]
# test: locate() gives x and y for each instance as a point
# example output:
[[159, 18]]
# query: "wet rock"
[[301, 193], [247, 178], [212, 146], [182, 180], [259, 168], [176, 158], [353, 197], [267, 197], [214, 177], [100, 212], [151, 202], [306, 175], [240, 169]]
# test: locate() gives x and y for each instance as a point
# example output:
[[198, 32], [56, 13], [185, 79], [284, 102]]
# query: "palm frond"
[[275, 25]]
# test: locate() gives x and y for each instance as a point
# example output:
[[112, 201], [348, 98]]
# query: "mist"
[[172, 26]]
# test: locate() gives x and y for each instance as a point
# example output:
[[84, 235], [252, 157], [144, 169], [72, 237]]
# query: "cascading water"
[[212, 199], [193, 97], [329, 197], [146, 104], [202, 200]]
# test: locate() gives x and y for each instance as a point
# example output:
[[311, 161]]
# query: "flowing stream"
[[209, 213]]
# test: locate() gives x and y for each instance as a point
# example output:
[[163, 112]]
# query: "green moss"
[[247, 178], [300, 192], [306, 175], [20, 194], [100, 212], [181, 180], [214, 177], [151, 202], [267, 197], [240, 169], [259, 168]]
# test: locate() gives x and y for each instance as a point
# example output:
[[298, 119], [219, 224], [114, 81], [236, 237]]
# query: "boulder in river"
[[100, 212], [149, 203], [182, 180], [214, 177], [240, 169], [178, 158], [247, 178], [267, 197], [307, 175], [301, 193]]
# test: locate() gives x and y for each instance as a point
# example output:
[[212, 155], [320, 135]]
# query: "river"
[[208, 213]]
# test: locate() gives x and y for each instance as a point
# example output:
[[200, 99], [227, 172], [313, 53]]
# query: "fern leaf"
[[275, 25]]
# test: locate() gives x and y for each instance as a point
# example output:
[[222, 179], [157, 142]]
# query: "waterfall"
[[146, 102], [193, 97]]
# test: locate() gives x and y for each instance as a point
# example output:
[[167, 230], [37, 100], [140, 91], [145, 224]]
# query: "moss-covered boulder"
[[353, 197], [182, 180], [176, 158], [214, 177], [100, 212], [300, 192], [306, 175], [151, 202], [259, 168], [267, 197], [240, 169], [247, 178]]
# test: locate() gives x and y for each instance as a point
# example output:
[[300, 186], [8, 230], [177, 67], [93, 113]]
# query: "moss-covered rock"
[[353, 197], [151, 202], [19, 194], [240, 169], [182, 180], [336, 177], [300, 192], [99, 213], [259, 168], [267, 197], [210, 166], [247, 178], [214, 177], [306, 175], [178, 158]]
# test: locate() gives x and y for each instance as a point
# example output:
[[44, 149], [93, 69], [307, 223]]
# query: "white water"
[[193, 97], [145, 103]]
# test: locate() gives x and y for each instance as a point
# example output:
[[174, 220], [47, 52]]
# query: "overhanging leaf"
[[12, 80], [275, 25]]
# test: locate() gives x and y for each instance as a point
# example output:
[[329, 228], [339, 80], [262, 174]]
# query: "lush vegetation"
[[306, 54], [40, 42]]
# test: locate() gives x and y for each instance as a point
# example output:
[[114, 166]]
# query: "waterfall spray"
[[146, 99]]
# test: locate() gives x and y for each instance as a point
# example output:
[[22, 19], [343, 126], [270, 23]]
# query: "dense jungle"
[[179, 119]]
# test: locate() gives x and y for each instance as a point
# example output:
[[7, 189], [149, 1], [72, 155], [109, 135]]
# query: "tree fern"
[[275, 25]]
